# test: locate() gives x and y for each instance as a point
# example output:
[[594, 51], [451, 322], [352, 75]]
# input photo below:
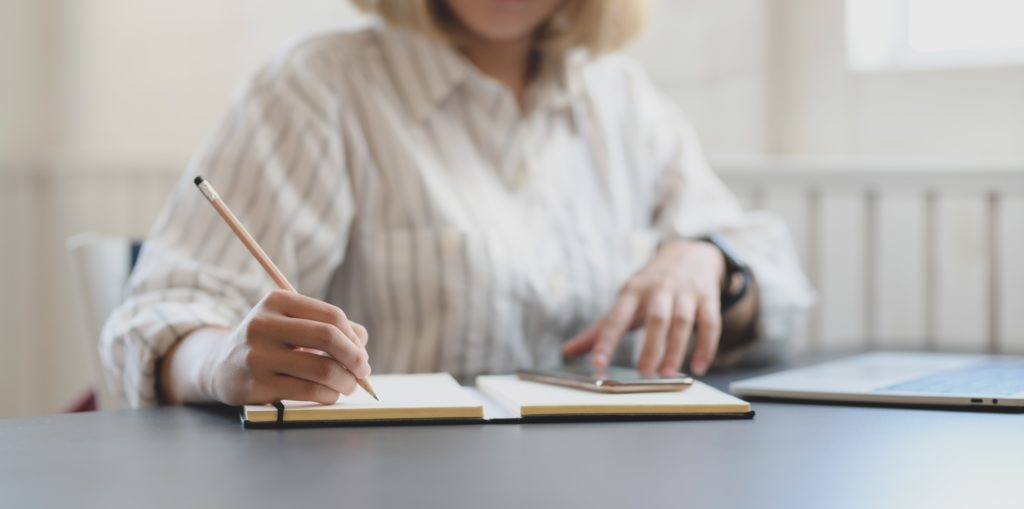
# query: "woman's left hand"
[[678, 290]]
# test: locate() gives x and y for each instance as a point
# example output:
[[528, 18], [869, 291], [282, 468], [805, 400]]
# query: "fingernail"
[[600, 359]]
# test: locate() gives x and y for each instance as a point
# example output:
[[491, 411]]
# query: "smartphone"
[[607, 380]]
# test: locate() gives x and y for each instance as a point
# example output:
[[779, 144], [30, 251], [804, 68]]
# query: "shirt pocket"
[[406, 257], [415, 283]]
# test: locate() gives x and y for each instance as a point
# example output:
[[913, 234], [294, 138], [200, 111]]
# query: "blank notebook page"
[[426, 396], [533, 398]]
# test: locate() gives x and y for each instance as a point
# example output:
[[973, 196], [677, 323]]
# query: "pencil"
[[256, 250]]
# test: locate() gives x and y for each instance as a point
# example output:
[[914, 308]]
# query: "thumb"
[[583, 341]]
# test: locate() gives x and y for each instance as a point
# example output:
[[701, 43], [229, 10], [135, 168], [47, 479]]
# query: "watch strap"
[[733, 265]]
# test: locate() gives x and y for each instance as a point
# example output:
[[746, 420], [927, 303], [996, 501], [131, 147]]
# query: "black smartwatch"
[[734, 267]]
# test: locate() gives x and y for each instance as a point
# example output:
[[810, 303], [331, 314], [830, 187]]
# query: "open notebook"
[[438, 398]]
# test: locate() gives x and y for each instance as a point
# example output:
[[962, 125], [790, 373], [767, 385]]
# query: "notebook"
[[437, 398]]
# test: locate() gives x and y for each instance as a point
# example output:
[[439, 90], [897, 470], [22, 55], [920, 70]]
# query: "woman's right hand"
[[274, 354]]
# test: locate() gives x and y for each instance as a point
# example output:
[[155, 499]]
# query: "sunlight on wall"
[[957, 25], [913, 34]]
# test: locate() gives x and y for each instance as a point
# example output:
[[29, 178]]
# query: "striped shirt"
[[384, 173]]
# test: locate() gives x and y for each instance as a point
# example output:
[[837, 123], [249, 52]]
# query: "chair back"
[[100, 266]]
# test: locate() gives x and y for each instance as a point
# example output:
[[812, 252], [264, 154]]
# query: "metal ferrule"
[[208, 191]]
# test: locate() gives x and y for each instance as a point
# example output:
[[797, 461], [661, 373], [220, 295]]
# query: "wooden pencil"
[[250, 243]]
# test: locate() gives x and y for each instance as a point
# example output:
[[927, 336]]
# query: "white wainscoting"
[[916, 257], [904, 257]]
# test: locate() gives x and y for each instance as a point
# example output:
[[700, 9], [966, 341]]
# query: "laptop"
[[981, 382]]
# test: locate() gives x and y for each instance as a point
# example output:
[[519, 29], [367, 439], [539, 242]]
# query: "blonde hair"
[[598, 25]]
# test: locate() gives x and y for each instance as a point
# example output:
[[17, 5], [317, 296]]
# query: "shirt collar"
[[559, 83], [427, 71]]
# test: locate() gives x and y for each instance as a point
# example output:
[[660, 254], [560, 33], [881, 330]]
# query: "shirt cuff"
[[140, 332]]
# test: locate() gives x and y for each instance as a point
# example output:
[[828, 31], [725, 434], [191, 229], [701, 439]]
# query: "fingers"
[[683, 310], [612, 327], [297, 305], [289, 387], [315, 368], [709, 329], [656, 326], [362, 337], [583, 341], [676, 318], [297, 332]]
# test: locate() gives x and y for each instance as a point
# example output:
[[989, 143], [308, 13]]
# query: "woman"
[[472, 181]]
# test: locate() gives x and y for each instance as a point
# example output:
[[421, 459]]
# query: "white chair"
[[100, 266]]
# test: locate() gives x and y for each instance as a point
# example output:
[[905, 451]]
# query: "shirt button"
[[556, 283], [521, 180], [642, 245], [522, 177], [450, 240]]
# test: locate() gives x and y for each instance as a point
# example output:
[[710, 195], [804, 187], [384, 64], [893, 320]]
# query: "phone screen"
[[611, 379], [618, 374]]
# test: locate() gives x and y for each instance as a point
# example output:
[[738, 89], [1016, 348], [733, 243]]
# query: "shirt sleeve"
[[277, 165], [692, 202]]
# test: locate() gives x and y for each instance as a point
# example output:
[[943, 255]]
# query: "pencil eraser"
[[198, 180]]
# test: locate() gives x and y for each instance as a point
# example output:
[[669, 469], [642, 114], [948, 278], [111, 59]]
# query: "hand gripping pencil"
[[254, 248]]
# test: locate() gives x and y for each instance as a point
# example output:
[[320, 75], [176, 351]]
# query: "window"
[[902, 34]]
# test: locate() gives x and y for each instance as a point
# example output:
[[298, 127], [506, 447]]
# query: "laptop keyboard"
[[984, 379]]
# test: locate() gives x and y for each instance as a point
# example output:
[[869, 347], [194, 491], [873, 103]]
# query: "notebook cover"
[[505, 420], [492, 408]]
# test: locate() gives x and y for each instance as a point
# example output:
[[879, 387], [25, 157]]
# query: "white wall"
[[769, 77], [970, 114], [22, 45], [146, 80], [713, 59]]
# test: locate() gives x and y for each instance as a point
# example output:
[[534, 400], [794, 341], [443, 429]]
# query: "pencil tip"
[[369, 390], [367, 387], [198, 180]]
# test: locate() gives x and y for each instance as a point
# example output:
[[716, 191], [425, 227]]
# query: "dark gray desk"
[[789, 456]]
